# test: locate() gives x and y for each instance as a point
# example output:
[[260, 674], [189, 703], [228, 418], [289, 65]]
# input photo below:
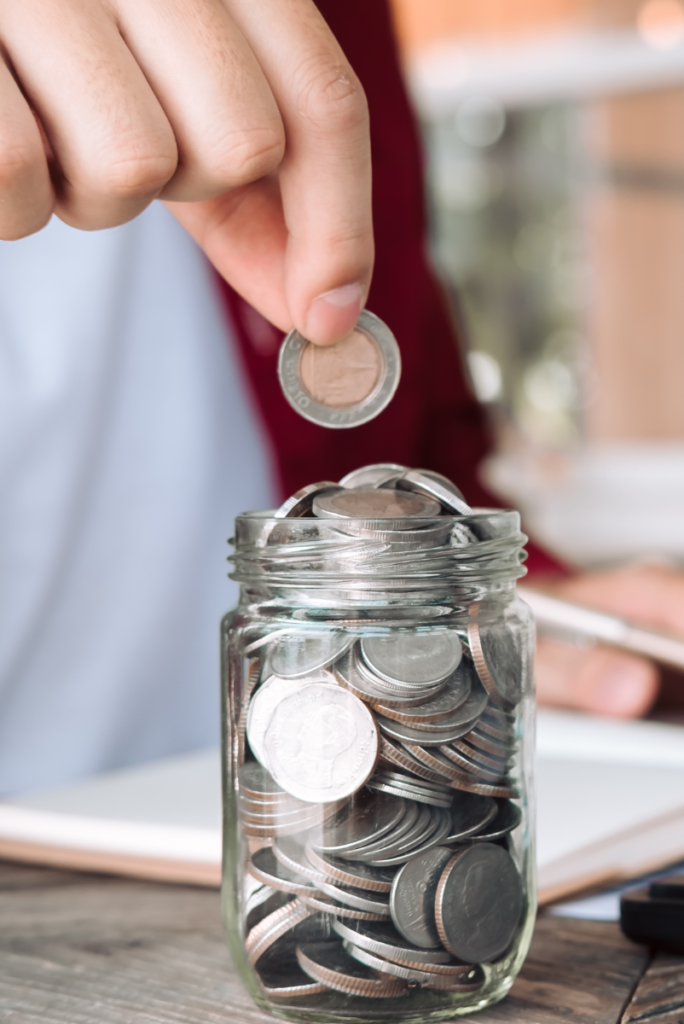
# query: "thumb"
[[596, 679]]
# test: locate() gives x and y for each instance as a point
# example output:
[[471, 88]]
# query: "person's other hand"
[[601, 679], [243, 115]]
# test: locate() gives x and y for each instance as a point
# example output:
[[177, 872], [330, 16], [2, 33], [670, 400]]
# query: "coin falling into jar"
[[345, 384]]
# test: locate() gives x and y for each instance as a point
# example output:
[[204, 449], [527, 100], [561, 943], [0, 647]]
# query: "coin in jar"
[[373, 476], [402, 508], [443, 704], [382, 937], [281, 977], [299, 504], [420, 659], [267, 869], [436, 486], [508, 817], [294, 655], [321, 743], [345, 384], [478, 903], [263, 705], [412, 899], [329, 963], [470, 814], [365, 818], [357, 874], [497, 659]]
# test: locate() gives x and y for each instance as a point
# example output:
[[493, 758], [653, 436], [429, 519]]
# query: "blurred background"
[[554, 139]]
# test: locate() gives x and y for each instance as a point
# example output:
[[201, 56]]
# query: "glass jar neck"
[[361, 566]]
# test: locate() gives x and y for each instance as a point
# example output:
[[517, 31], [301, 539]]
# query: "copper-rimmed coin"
[[497, 660], [436, 486], [479, 903], [328, 962], [360, 900], [472, 784], [503, 749], [424, 797], [452, 729], [410, 658], [357, 874], [262, 902], [351, 673], [454, 693], [373, 476], [508, 817], [495, 728], [257, 783], [412, 899], [470, 814], [435, 760], [362, 850], [332, 906], [386, 966], [281, 977], [396, 754], [478, 755], [435, 839], [397, 510], [267, 869], [290, 853], [345, 384], [294, 655], [363, 819], [392, 845], [476, 768], [321, 743], [301, 501], [383, 938], [272, 927]]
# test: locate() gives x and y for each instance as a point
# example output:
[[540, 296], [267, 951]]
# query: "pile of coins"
[[377, 773]]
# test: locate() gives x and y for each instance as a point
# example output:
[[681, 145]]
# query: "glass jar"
[[378, 724]]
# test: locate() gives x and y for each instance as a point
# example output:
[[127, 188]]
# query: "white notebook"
[[610, 806]]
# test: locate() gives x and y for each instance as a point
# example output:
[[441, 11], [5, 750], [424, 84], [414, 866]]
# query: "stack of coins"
[[378, 767]]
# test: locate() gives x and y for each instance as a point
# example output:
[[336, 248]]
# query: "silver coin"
[[378, 963], [470, 814], [480, 740], [263, 705], [329, 963], [290, 853], [341, 385], [255, 904], [273, 927], [328, 905], [378, 903], [365, 818], [466, 764], [350, 673], [399, 510], [395, 790], [397, 754], [356, 874], [256, 782], [280, 975], [508, 817], [394, 844], [373, 476], [420, 659], [496, 658], [433, 485], [413, 783], [382, 938], [321, 743], [363, 850], [455, 691], [479, 903], [453, 728], [435, 839], [301, 501], [294, 655], [477, 753], [433, 759]]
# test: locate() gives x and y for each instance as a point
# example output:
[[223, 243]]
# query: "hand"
[[601, 679], [242, 115]]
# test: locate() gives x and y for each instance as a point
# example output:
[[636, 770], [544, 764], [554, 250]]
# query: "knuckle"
[[131, 172], [332, 98], [17, 161], [245, 156]]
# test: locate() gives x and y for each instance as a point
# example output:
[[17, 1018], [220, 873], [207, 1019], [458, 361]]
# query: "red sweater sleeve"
[[434, 420]]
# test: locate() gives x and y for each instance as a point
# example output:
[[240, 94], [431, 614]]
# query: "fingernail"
[[334, 313], [623, 691]]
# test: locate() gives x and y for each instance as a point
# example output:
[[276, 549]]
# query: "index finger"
[[325, 177]]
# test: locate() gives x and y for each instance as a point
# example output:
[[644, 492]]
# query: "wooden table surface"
[[90, 949]]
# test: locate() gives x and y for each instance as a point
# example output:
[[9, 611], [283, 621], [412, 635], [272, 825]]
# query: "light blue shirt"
[[128, 443]]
